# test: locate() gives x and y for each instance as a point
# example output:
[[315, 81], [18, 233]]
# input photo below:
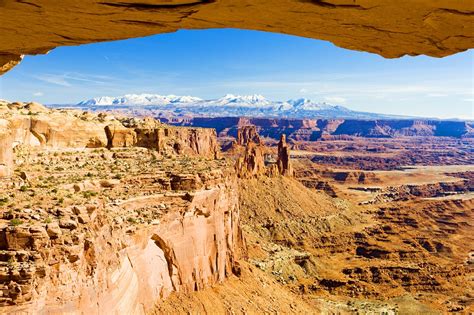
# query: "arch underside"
[[388, 28]]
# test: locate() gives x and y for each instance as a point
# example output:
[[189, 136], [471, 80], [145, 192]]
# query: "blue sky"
[[211, 63]]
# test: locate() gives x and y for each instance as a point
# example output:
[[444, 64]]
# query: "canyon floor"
[[154, 219], [342, 240]]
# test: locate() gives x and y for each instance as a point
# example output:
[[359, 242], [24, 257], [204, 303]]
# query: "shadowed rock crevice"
[[153, 6], [169, 256]]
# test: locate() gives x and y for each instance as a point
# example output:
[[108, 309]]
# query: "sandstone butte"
[[389, 28]]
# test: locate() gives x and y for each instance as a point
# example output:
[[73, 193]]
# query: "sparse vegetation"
[[16, 222], [89, 194]]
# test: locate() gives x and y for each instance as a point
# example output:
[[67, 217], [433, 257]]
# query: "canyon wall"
[[93, 261], [41, 127], [314, 129], [174, 230], [6, 153]]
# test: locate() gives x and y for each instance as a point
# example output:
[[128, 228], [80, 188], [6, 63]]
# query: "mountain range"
[[227, 106]]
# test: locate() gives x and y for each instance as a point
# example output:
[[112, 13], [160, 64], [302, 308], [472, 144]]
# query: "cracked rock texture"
[[388, 28], [134, 225]]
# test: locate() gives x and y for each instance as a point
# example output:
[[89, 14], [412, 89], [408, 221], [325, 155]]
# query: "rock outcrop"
[[113, 231], [283, 162], [257, 160], [165, 139], [32, 124], [252, 163], [89, 262], [55, 130], [391, 29], [6, 153], [248, 134]]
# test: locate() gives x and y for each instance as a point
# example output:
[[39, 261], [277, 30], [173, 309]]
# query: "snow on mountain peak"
[[141, 99], [228, 105]]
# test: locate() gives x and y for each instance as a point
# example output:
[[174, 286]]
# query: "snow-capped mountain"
[[229, 105], [140, 99], [242, 100]]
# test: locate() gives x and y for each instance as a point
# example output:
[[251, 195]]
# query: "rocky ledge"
[[33, 125], [89, 230]]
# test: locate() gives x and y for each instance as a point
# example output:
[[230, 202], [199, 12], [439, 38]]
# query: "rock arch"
[[388, 28]]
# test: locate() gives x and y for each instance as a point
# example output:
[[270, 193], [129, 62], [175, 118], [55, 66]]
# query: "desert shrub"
[[16, 222], [88, 194], [3, 201]]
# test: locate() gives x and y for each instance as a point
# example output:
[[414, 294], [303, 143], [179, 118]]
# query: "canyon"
[[100, 217], [316, 129], [104, 212]]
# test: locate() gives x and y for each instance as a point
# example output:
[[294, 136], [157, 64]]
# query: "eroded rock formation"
[[248, 134], [116, 230], [252, 162], [6, 153], [388, 28], [90, 259], [32, 124], [257, 158], [315, 129], [283, 162]]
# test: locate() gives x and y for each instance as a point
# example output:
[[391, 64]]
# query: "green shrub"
[[16, 222], [88, 194], [3, 200]]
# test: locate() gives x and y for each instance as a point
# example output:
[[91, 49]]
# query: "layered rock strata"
[[257, 159], [110, 231], [32, 124], [333, 129], [88, 260], [248, 134]]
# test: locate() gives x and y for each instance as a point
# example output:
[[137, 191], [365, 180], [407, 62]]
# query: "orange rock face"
[[252, 163], [246, 134], [6, 153], [387, 28], [283, 162], [168, 221], [34, 125], [256, 160], [193, 245]]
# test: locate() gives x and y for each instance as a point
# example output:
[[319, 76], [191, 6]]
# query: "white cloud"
[[38, 94], [54, 79], [68, 79], [437, 95], [335, 99], [303, 91]]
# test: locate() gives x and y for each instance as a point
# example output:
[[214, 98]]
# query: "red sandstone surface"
[[107, 213]]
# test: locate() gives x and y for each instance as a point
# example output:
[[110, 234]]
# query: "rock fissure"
[[154, 6]]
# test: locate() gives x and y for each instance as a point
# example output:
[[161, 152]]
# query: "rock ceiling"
[[388, 28]]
